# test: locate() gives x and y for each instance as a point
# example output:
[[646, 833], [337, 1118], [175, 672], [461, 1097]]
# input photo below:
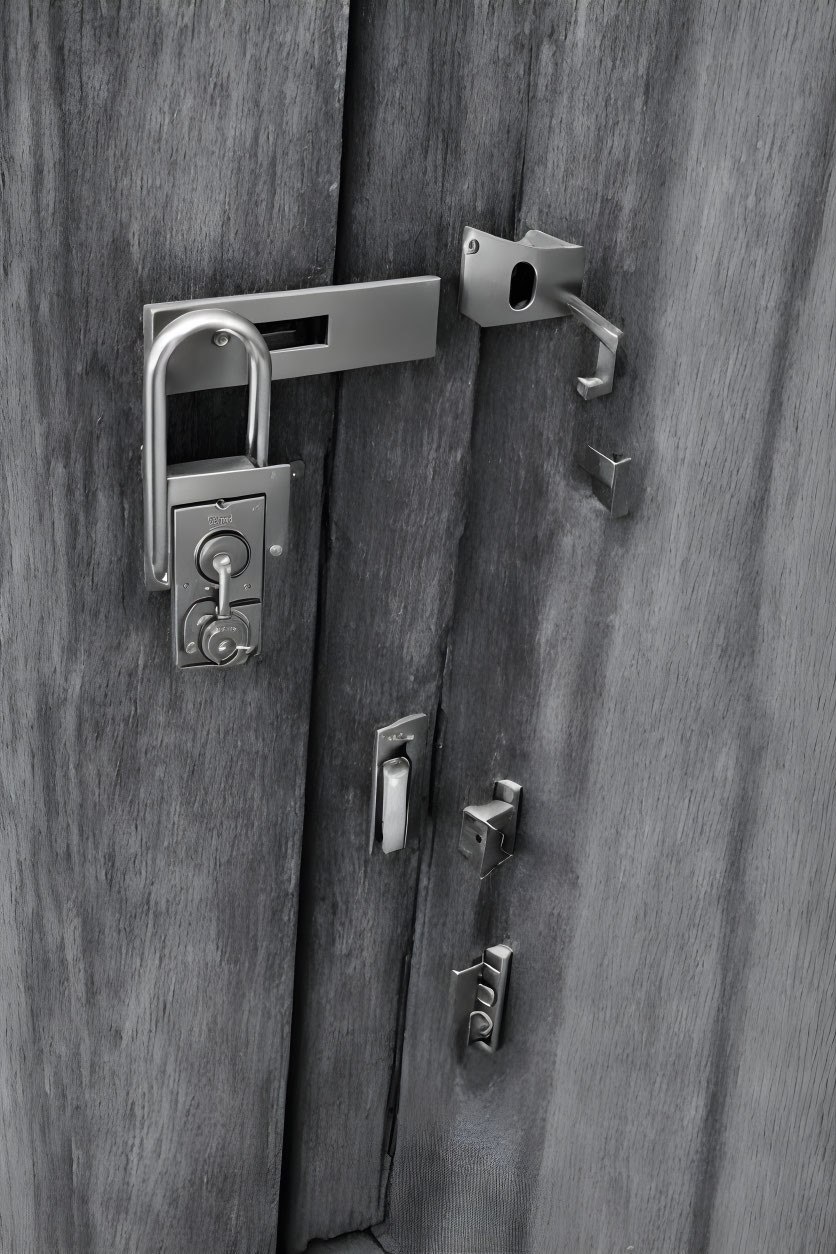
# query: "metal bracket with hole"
[[539, 276], [478, 994], [489, 832], [611, 479]]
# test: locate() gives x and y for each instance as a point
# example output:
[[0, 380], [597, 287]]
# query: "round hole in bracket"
[[523, 285], [222, 542]]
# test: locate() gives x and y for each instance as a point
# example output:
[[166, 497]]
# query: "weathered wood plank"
[[356, 1243], [662, 688], [771, 1136], [152, 820], [436, 98]]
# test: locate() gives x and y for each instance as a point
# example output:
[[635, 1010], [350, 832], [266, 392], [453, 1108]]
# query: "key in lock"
[[220, 633]]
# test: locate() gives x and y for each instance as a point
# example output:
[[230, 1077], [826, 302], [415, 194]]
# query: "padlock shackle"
[[155, 454]]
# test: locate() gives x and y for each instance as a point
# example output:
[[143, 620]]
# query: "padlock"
[[210, 524]]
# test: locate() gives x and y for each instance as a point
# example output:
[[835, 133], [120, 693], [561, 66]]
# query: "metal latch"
[[397, 782], [489, 831], [506, 281], [479, 999]]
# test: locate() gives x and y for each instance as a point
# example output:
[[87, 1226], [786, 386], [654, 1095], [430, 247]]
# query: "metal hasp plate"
[[539, 276], [355, 324], [478, 995], [397, 782], [611, 479], [489, 832]]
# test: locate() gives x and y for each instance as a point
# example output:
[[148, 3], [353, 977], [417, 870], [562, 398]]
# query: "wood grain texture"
[[435, 106], [662, 687], [151, 819], [355, 1243]]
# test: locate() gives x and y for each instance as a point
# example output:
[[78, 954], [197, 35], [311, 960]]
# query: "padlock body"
[[225, 525], [228, 478], [221, 505]]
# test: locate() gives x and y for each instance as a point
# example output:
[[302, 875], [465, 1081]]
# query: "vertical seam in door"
[[322, 593], [445, 658], [436, 767]]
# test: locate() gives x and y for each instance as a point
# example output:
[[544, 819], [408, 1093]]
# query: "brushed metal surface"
[[394, 806], [477, 995], [369, 324], [612, 478], [193, 527], [487, 265], [489, 832], [405, 738], [504, 282]]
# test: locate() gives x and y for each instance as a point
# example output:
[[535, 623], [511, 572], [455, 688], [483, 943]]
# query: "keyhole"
[[523, 285]]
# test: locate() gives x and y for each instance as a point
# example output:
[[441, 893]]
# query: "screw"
[[220, 339], [191, 647], [473, 245], [185, 585], [247, 587], [275, 550]]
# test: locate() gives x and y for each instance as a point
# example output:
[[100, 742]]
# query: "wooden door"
[[435, 109], [152, 819], [661, 686]]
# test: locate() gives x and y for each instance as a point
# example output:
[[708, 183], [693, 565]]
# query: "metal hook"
[[600, 384]]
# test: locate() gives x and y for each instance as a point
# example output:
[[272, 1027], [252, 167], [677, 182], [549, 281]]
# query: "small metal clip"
[[611, 479], [479, 1000]]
